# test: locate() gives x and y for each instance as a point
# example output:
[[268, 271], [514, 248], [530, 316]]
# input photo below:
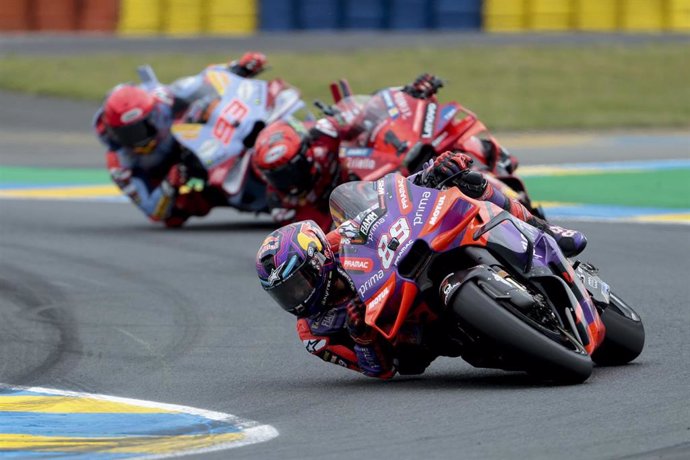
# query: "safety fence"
[[227, 17]]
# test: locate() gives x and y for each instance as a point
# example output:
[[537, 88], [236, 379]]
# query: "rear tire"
[[624, 337], [522, 344]]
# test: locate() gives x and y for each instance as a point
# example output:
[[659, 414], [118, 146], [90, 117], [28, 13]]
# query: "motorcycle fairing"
[[536, 254], [446, 220], [413, 213], [242, 104]]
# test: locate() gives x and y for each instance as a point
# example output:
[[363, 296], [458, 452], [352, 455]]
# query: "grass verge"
[[510, 87], [659, 189]]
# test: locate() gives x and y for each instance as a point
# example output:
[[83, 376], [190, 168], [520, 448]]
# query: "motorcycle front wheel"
[[624, 337], [521, 343]]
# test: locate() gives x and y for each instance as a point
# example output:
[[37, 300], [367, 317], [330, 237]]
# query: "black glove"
[[453, 169], [444, 166], [193, 166], [472, 184], [425, 86]]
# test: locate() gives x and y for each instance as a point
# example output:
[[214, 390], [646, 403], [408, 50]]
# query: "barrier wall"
[[227, 17], [586, 15]]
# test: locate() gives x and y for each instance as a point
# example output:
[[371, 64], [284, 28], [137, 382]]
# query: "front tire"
[[521, 343], [624, 337]]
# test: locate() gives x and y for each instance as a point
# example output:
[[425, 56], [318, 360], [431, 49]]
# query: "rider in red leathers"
[[298, 265], [300, 168], [166, 181], [299, 162]]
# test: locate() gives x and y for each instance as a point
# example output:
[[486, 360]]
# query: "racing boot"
[[571, 242]]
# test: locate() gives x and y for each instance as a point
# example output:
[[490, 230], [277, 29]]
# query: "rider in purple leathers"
[[298, 265], [144, 159]]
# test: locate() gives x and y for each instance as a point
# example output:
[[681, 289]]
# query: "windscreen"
[[351, 198], [363, 113]]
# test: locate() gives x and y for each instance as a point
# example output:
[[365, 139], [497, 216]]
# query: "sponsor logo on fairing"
[[361, 163], [208, 150], [429, 117], [401, 102], [421, 207], [245, 90], [372, 221], [387, 99], [437, 210], [448, 112], [402, 252], [367, 222], [393, 111], [358, 264], [354, 152], [371, 282], [380, 187], [376, 225], [403, 196], [440, 138], [379, 299]]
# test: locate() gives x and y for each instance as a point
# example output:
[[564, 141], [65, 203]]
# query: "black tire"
[[526, 347], [624, 337]]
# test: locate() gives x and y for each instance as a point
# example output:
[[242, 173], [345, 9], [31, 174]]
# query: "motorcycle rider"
[[166, 181], [298, 265], [299, 162]]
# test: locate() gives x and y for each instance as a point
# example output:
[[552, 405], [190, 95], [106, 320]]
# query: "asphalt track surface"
[[93, 298]]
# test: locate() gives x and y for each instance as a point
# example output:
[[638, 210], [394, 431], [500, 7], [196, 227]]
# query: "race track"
[[95, 299]]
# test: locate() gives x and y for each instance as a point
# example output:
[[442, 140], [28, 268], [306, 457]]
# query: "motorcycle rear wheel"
[[525, 346], [624, 337]]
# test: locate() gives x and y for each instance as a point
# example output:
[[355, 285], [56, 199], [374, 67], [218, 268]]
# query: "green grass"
[[510, 87], [661, 189], [52, 176]]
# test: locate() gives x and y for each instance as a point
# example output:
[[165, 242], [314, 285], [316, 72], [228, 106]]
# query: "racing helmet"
[[296, 266], [128, 118], [282, 159]]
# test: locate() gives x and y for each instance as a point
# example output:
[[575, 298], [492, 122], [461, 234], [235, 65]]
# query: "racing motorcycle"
[[224, 141], [393, 131], [498, 291]]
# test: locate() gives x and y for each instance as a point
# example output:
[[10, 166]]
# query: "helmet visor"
[[295, 292], [135, 135], [293, 177]]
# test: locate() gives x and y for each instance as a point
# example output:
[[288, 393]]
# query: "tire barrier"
[[242, 17]]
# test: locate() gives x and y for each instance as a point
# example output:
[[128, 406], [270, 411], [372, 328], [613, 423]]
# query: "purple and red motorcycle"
[[500, 290]]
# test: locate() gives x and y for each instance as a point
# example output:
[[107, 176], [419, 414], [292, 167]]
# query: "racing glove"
[[453, 169], [425, 86], [182, 178], [374, 357], [249, 65]]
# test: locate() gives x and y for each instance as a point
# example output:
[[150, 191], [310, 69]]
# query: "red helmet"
[[282, 157], [127, 114]]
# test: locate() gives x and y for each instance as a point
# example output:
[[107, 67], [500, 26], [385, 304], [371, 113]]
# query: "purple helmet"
[[295, 265]]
